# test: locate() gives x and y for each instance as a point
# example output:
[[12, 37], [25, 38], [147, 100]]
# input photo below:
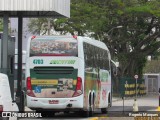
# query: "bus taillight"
[[33, 37], [78, 90], [75, 37], [1, 108], [29, 87]]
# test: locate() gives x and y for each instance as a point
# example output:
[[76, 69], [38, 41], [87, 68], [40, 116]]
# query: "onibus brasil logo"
[[15, 114]]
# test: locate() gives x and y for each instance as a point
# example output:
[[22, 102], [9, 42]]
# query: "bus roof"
[[94, 42], [49, 37], [79, 38]]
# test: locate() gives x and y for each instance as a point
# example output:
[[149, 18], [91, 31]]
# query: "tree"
[[131, 44], [1, 24], [84, 18], [138, 37], [42, 26], [152, 66]]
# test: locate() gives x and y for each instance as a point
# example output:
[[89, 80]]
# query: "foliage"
[[85, 19], [131, 44], [1, 25], [138, 37], [40, 25], [152, 66]]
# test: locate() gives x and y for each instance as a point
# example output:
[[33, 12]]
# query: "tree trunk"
[[132, 65]]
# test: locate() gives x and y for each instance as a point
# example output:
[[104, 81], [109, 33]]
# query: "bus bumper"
[[55, 103]]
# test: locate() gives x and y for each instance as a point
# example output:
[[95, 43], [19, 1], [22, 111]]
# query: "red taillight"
[[29, 87], [78, 90], [1, 108], [33, 37], [74, 36], [79, 84]]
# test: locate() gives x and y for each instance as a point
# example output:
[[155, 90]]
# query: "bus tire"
[[109, 101], [66, 112], [104, 110], [85, 113], [90, 111], [92, 107]]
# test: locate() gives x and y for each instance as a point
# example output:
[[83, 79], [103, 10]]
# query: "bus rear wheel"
[[90, 111]]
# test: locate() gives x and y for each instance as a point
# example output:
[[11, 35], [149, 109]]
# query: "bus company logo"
[[6, 114], [62, 62]]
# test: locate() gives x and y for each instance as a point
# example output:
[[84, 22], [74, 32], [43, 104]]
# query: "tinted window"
[[53, 47], [95, 57]]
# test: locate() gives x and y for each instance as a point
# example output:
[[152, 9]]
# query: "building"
[[152, 82]]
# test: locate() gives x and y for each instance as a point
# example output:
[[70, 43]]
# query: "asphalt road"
[[146, 104]]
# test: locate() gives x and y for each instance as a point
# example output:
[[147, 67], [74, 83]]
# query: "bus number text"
[[37, 61]]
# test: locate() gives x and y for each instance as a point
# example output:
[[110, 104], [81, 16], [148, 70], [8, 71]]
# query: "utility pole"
[[135, 105]]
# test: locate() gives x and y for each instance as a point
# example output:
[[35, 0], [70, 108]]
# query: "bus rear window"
[[54, 47]]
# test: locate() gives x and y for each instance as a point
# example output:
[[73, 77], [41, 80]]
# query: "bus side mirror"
[[114, 71], [114, 68]]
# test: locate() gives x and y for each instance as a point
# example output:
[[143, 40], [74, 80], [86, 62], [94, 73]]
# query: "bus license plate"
[[53, 101]]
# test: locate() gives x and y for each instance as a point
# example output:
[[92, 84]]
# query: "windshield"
[[54, 47]]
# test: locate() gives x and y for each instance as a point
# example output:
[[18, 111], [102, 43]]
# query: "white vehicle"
[[67, 73], [6, 104]]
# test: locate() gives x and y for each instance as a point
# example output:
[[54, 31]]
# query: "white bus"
[[65, 73]]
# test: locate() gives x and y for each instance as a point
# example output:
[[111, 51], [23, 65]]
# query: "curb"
[[125, 98], [98, 118], [116, 99], [95, 118], [27, 109], [158, 108]]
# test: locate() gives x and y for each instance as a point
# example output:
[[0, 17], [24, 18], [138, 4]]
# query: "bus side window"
[[90, 56], [85, 54]]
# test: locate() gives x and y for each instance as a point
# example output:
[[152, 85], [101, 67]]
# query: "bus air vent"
[[53, 70]]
